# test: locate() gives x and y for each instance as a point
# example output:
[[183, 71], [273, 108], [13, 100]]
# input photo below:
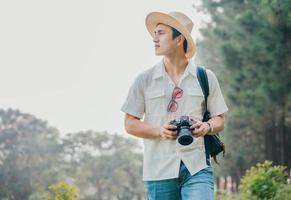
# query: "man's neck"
[[175, 66]]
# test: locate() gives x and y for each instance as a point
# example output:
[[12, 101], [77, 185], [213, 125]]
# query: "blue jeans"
[[200, 186]]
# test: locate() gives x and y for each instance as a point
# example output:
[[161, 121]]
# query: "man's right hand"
[[166, 132]]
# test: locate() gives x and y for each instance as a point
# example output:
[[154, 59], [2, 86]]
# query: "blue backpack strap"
[[203, 81]]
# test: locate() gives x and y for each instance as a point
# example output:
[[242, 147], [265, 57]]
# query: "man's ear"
[[180, 40]]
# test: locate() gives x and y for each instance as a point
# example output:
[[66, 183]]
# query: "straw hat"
[[176, 20]]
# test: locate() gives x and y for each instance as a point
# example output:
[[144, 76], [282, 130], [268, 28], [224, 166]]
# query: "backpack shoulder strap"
[[203, 81]]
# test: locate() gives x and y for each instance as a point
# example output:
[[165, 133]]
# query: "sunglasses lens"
[[177, 93], [173, 106]]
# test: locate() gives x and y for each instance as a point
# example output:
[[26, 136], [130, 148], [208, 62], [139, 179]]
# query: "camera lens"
[[185, 139]]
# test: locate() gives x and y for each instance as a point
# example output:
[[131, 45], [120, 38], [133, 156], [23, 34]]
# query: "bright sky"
[[72, 62]]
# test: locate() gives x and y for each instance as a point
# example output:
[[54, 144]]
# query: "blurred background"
[[66, 67]]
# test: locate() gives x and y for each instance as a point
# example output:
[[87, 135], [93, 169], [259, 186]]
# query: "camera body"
[[183, 129]]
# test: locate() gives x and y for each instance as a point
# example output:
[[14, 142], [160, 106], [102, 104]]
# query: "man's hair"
[[176, 33]]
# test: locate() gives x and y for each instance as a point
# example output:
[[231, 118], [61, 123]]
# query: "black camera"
[[183, 129]]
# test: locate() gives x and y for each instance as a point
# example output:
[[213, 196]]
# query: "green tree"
[[63, 191], [249, 44], [28, 154], [33, 156], [104, 166], [284, 192], [262, 181]]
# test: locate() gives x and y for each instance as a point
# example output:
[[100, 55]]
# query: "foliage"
[[39, 196], [262, 181], [284, 192], [247, 43], [34, 156], [63, 191], [105, 166], [28, 152]]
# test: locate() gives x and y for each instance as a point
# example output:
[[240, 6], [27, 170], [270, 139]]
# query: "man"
[[165, 92]]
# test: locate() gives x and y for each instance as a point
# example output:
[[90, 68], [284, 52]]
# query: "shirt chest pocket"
[[155, 101], [195, 102]]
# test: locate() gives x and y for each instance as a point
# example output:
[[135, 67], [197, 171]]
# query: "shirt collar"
[[191, 68], [159, 70]]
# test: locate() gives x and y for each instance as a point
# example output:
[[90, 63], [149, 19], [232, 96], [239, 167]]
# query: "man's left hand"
[[200, 128]]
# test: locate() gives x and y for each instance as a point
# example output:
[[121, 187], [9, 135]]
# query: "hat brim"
[[155, 18]]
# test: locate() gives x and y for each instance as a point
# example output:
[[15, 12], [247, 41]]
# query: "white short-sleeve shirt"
[[148, 99]]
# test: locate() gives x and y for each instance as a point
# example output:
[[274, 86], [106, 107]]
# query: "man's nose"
[[155, 38]]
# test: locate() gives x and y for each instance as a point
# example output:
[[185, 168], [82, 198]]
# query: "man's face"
[[163, 40]]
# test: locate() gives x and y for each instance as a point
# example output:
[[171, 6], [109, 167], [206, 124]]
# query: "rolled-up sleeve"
[[135, 101], [215, 102]]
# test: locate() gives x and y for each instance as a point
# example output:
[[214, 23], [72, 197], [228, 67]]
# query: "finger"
[[171, 136], [172, 127], [165, 126], [197, 125], [169, 126], [197, 132], [200, 130], [170, 133]]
